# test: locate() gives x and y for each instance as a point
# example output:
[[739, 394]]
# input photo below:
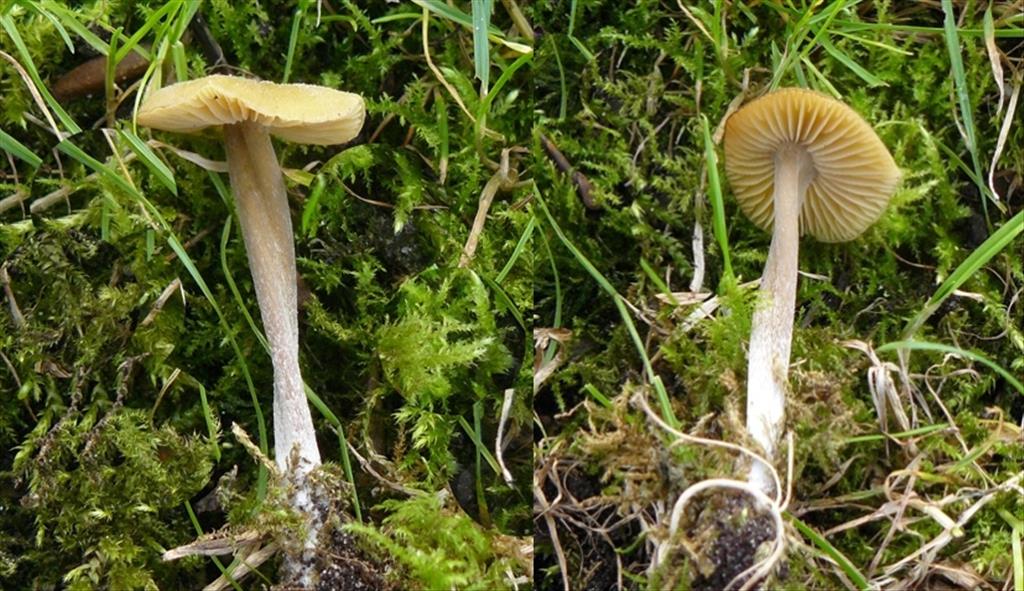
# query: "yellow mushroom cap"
[[301, 113], [854, 173]]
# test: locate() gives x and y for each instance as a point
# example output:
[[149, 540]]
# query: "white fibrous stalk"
[[772, 324], [263, 213]]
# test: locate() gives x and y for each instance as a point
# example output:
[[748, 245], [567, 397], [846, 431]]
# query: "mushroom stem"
[[772, 324], [267, 230]]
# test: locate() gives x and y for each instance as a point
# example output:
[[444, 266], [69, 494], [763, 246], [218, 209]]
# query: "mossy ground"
[[129, 337], [110, 426], [631, 120]]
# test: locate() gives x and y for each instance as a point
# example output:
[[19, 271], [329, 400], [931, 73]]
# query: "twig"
[[212, 545], [60, 194], [563, 565], [506, 406], [48, 200], [437, 73], [504, 179], [583, 187], [38, 98], [16, 198], [518, 19], [697, 244], [16, 316], [165, 295], [412, 492], [246, 565], [1004, 132]]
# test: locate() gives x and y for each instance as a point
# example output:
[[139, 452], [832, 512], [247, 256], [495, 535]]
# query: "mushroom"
[[799, 162], [249, 112]]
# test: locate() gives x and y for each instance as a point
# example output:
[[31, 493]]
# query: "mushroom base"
[[722, 537]]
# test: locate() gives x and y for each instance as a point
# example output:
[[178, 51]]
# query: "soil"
[[591, 559], [347, 567], [734, 530]]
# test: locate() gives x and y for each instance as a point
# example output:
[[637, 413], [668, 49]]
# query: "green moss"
[[437, 549], [397, 342], [413, 354], [102, 490]]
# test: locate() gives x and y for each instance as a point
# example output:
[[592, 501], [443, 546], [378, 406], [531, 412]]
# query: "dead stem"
[[17, 318], [549, 520], [583, 187], [162, 300], [506, 407], [504, 179]]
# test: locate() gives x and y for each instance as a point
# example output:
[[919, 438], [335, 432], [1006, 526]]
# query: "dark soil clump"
[[732, 529], [345, 566]]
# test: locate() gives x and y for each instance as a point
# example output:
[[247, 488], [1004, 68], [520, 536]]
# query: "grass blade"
[[226, 571], [506, 75], [67, 17], [964, 98], [518, 250], [902, 434], [225, 236], [293, 39], [1018, 552], [481, 46], [346, 463], [853, 66], [326, 412], [105, 171], [480, 445], [800, 31], [657, 281], [715, 192], [556, 321], [19, 150], [26, 61], [977, 259], [825, 546], [151, 22], [56, 25], [563, 92], [150, 159], [504, 301], [587, 55], [311, 210], [598, 396], [208, 416], [939, 347], [453, 14], [668, 415], [481, 498]]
